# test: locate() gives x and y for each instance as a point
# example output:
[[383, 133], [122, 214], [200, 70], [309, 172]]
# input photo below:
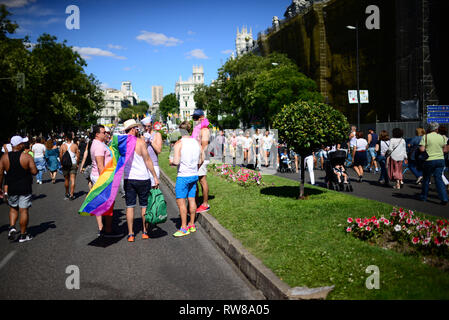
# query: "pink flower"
[[444, 233], [350, 220], [358, 220], [368, 228], [348, 229], [415, 240], [387, 222]]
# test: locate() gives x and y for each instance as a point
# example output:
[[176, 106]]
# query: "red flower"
[[348, 229], [415, 240], [350, 220]]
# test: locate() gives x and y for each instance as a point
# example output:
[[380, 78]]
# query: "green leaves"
[[169, 104]]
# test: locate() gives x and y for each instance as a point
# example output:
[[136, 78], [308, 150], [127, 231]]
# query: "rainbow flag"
[[100, 200]]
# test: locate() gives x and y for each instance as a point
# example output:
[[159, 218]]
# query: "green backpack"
[[156, 208]]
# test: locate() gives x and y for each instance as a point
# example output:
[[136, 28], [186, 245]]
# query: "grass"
[[305, 244]]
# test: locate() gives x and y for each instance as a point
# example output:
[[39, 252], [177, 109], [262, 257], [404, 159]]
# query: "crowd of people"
[[425, 155]]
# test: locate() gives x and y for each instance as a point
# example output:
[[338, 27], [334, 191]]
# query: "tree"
[[169, 104], [253, 89], [305, 127]]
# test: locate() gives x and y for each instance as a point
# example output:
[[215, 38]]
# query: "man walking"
[[187, 156], [203, 139], [371, 152], [153, 140], [100, 156], [69, 173], [138, 173], [20, 168]]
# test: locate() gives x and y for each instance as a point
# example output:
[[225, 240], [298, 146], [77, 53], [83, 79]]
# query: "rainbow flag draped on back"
[[100, 200]]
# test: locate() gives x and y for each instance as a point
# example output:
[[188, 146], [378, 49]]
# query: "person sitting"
[[340, 171]]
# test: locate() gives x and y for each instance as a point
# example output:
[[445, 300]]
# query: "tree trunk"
[[301, 195]]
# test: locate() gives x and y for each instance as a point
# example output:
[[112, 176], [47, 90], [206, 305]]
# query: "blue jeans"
[[40, 166], [433, 168], [414, 169], [370, 154], [383, 168]]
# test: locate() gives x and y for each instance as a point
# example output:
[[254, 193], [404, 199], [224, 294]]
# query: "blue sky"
[[147, 42]]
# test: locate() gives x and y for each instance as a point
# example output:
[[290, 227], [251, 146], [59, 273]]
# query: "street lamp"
[[356, 28]]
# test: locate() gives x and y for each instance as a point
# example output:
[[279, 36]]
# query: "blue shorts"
[[134, 189], [186, 187], [372, 152]]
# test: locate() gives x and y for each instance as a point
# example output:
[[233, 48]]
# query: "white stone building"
[[184, 92], [244, 41], [115, 100]]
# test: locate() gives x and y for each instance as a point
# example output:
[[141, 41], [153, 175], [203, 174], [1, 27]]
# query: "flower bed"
[[242, 176], [404, 228]]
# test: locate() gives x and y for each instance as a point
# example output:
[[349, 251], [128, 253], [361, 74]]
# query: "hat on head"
[[434, 126], [146, 121], [131, 123], [198, 113], [107, 129], [16, 140]]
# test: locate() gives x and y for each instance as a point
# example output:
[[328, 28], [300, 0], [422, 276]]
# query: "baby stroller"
[[285, 162], [336, 158]]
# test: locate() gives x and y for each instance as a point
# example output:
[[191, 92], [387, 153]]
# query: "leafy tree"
[[253, 89], [305, 127], [169, 104]]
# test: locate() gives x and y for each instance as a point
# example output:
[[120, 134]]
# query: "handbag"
[[388, 152], [421, 156]]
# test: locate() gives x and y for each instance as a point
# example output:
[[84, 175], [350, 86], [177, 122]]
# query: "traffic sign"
[[439, 114], [352, 96]]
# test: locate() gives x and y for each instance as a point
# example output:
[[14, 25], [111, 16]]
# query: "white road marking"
[[6, 259]]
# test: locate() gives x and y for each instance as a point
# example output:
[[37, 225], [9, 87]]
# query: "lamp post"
[[356, 28]]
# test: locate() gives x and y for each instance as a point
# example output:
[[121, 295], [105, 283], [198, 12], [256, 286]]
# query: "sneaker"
[[25, 237], [131, 237], [67, 197], [181, 233], [202, 208], [418, 181], [145, 236], [191, 228], [12, 233], [72, 198], [377, 170]]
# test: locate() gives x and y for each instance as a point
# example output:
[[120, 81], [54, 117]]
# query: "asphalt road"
[[161, 268], [369, 188]]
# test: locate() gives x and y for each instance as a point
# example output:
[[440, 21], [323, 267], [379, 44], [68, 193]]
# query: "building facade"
[[244, 41], [115, 100], [184, 92]]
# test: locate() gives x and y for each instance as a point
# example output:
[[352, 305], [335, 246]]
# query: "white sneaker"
[[11, 233], [25, 237]]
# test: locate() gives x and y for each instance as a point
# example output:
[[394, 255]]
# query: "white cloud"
[[113, 46], [16, 3], [196, 53], [158, 39], [229, 51], [38, 11], [88, 52]]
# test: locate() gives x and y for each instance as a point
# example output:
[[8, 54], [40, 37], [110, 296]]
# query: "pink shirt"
[[98, 149]]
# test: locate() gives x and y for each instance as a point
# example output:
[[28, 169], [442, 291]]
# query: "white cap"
[[130, 124], [16, 140], [146, 121]]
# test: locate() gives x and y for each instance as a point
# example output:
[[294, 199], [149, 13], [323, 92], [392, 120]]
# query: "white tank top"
[[190, 155], [136, 169], [72, 154]]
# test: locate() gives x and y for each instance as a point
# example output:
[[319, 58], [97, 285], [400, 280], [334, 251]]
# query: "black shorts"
[[134, 189], [360, 158]]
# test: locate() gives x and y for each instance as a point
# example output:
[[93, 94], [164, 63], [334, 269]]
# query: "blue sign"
[[439, 114]]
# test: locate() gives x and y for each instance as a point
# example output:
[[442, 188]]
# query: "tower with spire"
[[244, 41]]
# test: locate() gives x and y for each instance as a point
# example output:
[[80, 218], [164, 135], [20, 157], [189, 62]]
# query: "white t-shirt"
[[361, 144], [353, 140], [246, 142], [267, 142], [38, 150]]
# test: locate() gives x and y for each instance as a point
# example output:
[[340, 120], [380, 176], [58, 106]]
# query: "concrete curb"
[[257, 273]]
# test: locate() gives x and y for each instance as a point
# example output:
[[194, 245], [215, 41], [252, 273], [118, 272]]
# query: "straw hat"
[[131, 123]]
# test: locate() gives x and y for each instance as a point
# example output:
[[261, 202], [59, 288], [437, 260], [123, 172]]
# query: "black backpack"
[[66, 161]]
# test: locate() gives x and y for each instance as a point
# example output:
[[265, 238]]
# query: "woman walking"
[[435, 145], [51, 157], [381, 148], [398, 153], [360, 158], [39, 154]]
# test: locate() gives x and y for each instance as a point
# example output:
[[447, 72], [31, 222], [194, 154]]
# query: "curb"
[[255, 271]]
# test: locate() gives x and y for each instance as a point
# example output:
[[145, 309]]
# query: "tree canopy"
[[306, 126], [252, 89], [169, 104], [58, 94]]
